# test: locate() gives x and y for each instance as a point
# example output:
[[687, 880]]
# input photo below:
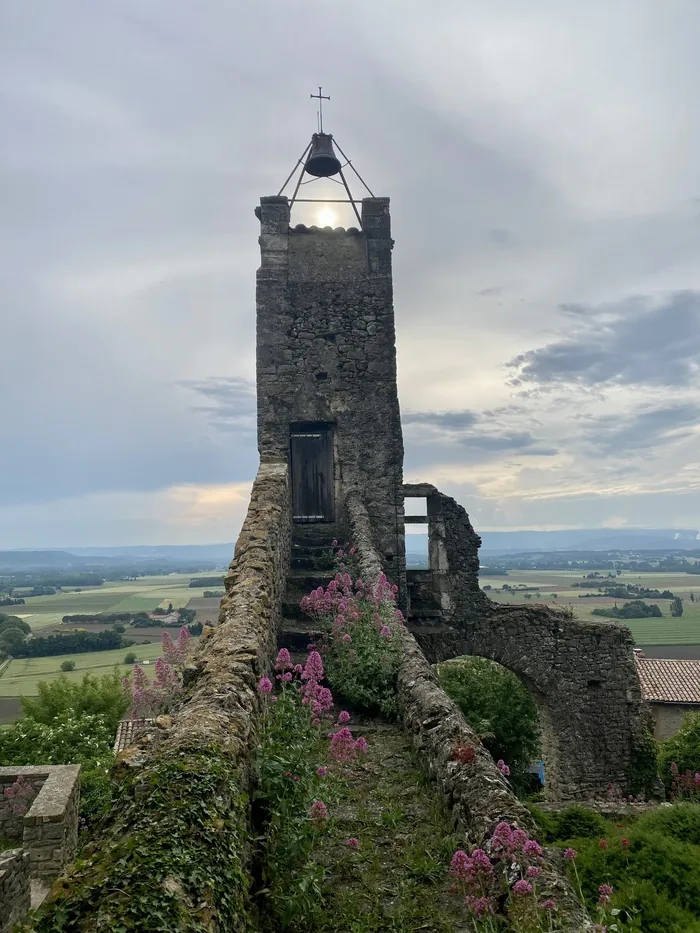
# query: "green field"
[[665, 631], [140, 595]]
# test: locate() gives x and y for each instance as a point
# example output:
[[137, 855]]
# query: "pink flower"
[[481, 861], [549, 904], [519, 839], [522, 888], [346, 637], [625, 843], [570, 854], [334, 542], [503, 767], [353, 843], [343, 717], [532, 848], [264, 685], [342, 746], [534, 871], [298, 669], [318, 811], [322, 771], [361, 745], [603, 844], [283, 661], [480, 906], [604, 894], [313, 669], [385, 631], [353, 550], [461, 865]]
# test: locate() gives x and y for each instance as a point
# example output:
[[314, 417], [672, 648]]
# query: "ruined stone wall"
[[476, 793], [582, 675], [174, 851], [326, 352], [48, 831], [15, 891]]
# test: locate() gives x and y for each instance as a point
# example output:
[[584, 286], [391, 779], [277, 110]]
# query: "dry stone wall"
[[174, 851], [15, 890], [582, 675]]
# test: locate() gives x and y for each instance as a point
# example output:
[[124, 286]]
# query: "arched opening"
[[510, 716]]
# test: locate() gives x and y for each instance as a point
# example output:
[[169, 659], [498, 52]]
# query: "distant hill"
[[42, 560]]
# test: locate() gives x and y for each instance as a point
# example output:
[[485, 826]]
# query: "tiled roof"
[[667, 681], [128, 731]]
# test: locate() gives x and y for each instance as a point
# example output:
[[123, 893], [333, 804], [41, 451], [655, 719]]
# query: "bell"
[[322, 161]]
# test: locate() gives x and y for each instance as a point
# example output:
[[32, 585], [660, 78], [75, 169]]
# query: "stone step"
[[427, 614], [295, 638]]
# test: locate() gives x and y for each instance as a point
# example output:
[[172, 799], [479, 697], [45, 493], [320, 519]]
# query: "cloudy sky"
[[543, 161]]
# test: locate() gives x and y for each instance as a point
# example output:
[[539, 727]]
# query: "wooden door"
[[311, 458]]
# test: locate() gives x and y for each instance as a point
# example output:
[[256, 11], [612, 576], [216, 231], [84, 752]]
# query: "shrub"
[[359, 645], [67, 665], [100, 696], [499, 708], [681, 821], [683, 749], [130, 658]]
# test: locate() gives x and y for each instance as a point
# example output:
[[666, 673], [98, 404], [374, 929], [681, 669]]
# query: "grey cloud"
[[233, 403], [645, 428], [634, 342]]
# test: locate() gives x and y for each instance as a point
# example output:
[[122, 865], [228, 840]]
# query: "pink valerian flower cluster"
[[684, 786], [615, 795], [152, 698], [318, 812], [503, 767], [483, 879], [175, 653], [604, 894], [344, 747], [20, 793]]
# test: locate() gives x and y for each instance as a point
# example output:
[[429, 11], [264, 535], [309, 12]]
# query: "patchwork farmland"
[[44, 613]]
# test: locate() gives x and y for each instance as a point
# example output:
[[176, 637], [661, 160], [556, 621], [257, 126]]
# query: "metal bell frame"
[[303, 161]]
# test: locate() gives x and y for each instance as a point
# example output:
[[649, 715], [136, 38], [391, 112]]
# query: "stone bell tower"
[[326, 366]]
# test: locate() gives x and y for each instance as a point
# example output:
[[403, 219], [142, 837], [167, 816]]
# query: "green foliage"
[[683, 748], [130, 657], [169, 857], [681, 821], [499, 708], [67, 665], [677, 607], [72, 643], [7, 622], [636, 609], [120, 627], [101, 696], [644, 767], [364, 669], [575, 822], [290, 752]]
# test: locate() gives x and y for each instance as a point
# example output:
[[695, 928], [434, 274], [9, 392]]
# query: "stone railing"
[[15, 892], [475, 792], [175, 849]]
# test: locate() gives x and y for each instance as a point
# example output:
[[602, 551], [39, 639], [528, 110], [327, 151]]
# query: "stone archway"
[[582, 675]]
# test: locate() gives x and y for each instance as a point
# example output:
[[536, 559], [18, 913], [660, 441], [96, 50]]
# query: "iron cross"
[[320, 97]]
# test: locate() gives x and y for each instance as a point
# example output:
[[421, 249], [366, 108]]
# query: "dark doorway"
[[311, 460]]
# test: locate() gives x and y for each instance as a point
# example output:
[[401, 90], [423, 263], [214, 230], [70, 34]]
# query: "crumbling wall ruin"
[[582, 675]]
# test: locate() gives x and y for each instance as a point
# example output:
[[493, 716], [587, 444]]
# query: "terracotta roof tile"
[[667, 681], [127, 732]]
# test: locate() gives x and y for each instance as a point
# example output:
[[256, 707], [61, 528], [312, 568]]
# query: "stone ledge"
[[59, 783]]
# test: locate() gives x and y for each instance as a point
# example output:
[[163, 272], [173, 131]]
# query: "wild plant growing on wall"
[[303, 754], [149, 698], [359, 622]]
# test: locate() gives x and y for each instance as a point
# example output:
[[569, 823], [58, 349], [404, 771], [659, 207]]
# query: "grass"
[[664, 631], [397, 881], [23, 674]]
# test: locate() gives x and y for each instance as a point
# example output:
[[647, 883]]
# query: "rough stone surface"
[[220, 706], [326, 353], [15, 891], [48, 831], [582, 675], [476, 793]]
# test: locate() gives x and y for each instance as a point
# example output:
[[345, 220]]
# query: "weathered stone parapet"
[[48, 831], [15, 889], [183, 799]]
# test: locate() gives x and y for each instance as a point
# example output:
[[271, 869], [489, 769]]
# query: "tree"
[[119, 627], [101, 696], [67, 665], [130, 658], [682, 749], [13, 622], [497, 705], [677, 607]]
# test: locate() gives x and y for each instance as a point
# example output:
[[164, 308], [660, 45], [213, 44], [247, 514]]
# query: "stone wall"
[[326, 353], [166, 855], [15, 892], [582, 675], [476, 793], [49, 829]]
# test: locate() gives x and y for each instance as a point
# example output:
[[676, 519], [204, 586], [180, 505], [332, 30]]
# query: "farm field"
[[144, 594], [44, 614], [666, 631]]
